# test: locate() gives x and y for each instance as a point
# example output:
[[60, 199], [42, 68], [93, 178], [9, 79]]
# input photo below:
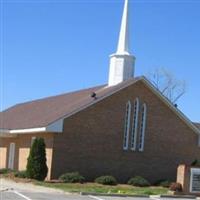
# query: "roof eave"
[[56, 127]]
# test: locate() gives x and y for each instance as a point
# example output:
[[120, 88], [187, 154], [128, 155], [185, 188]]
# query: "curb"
[[141, 196], [112, 195], [179, 196]]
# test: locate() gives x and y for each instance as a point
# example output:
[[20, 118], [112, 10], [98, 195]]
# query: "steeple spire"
[[123, 45], [122, 62]]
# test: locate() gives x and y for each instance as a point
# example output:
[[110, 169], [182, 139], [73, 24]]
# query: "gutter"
[[56, 127]]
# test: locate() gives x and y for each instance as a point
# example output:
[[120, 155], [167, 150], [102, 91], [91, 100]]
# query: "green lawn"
[[102, 189]]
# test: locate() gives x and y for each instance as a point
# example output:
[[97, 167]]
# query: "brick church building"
[[124, 128]]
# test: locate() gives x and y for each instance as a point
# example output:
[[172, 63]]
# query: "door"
[[11, 157]]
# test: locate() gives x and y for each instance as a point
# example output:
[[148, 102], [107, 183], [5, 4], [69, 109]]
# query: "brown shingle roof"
[[42, 112]]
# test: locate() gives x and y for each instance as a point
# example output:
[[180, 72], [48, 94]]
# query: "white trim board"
[[56, 127], [29, 130]]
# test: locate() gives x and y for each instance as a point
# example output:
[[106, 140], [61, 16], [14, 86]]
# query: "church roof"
[[43, 114]]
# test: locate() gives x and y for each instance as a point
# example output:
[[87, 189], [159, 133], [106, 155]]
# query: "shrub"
[[20, 174], [106, 180], [138, 181], [73, 177], [177, 187], [195, 163], [5, 171], [163, 183], [36, 166]]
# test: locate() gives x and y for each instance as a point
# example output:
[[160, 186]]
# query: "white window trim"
[[127, 126], [11, 158], [143, 128], [135, 125]]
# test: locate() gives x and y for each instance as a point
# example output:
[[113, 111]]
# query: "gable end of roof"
[[180, 114], [155, 91]]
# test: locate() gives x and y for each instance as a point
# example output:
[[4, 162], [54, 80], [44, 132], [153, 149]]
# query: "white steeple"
[[122, 62], [124, 32]]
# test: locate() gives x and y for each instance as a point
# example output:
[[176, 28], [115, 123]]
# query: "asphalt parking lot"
[[10, 190], [26, 195]]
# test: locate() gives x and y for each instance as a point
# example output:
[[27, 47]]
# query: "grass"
[[103, 189], [92, 187]]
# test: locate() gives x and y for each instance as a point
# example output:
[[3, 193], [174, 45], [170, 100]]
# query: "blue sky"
[[52, 47]]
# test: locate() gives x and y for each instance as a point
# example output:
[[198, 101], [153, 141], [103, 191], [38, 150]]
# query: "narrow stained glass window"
[[135, 125], [142, 128], [127, 125]]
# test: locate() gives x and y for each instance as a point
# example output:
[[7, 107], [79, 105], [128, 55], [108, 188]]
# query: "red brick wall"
[[93, 138]]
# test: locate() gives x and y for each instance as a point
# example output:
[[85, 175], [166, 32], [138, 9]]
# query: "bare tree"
[[168, 84]]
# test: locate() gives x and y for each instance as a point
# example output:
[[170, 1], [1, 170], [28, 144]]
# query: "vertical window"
[[127, 125], [11, 157], [135, 125], [142, 128]]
